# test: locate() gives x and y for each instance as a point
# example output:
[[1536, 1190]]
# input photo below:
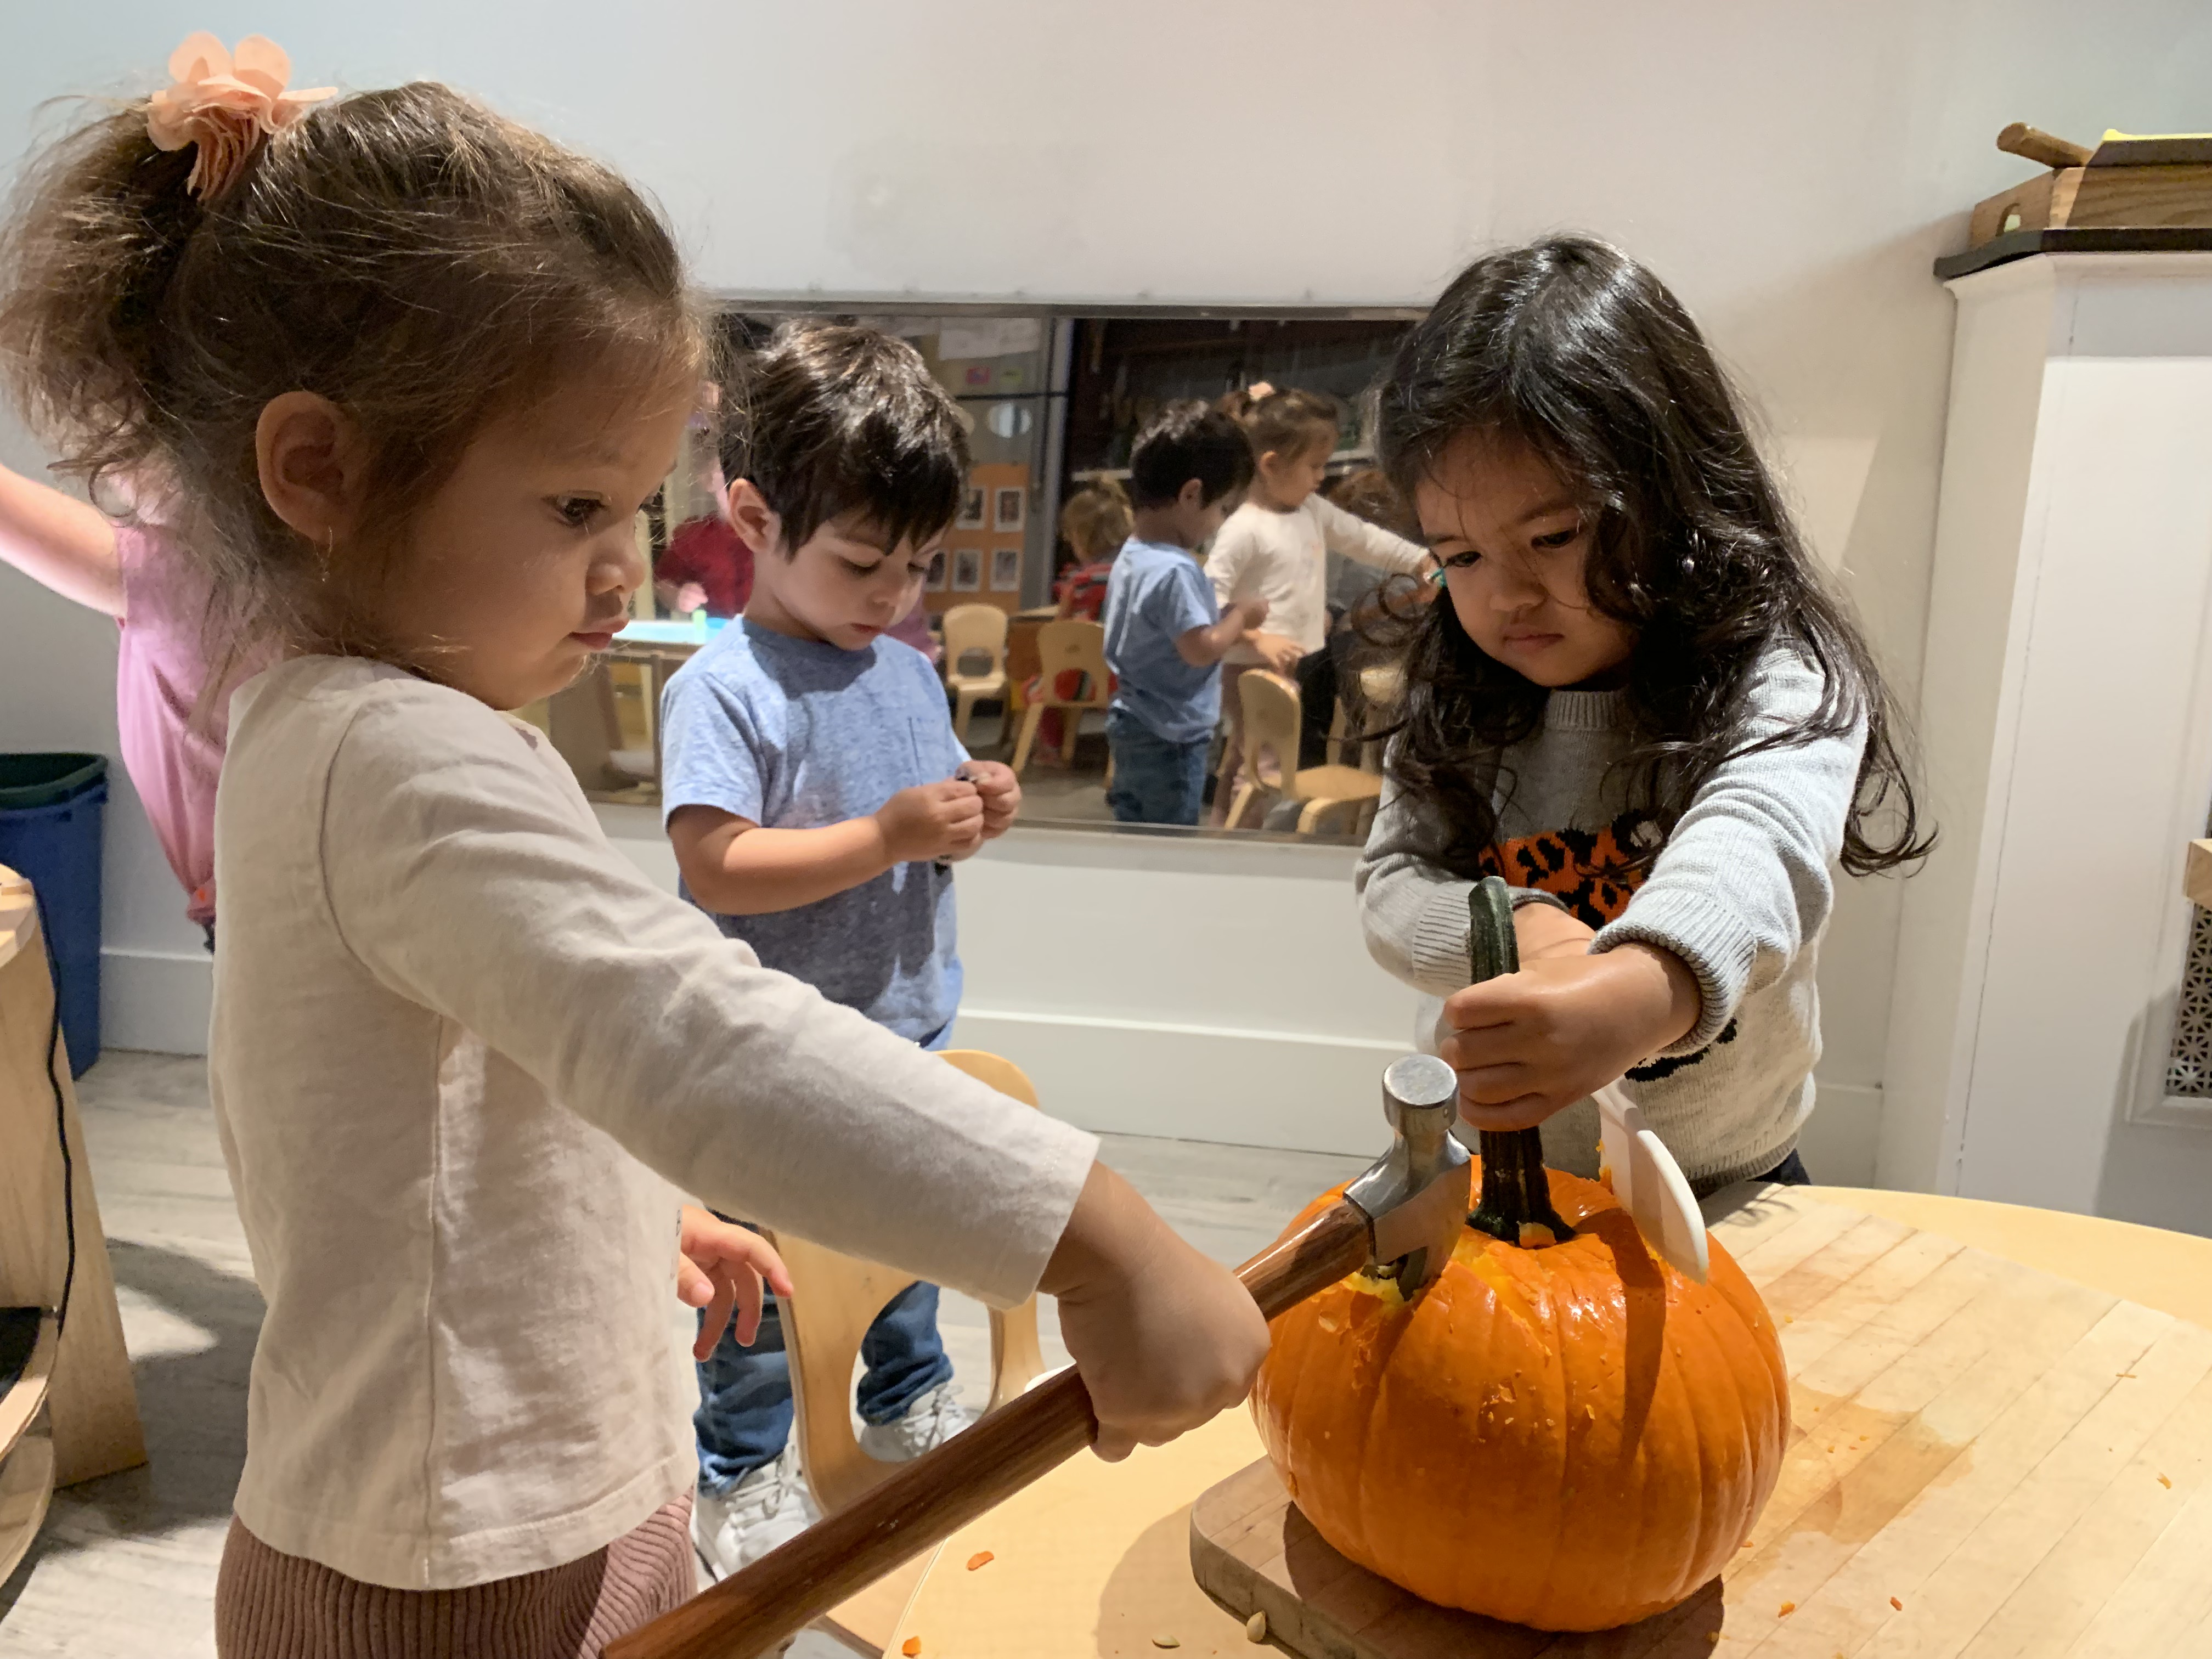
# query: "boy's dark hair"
[[1186, 441], [420, 261], [1573, 348], [831, 419]]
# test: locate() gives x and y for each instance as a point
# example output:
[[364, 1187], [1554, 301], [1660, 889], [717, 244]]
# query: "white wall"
[[1791, 172]]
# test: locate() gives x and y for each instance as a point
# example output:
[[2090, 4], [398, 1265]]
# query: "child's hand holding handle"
[[721, 1266], [1164, 1336], [1526, 1045]]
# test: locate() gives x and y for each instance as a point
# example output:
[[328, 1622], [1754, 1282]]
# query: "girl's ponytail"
[[173, 264], [1284, 423], [98, 227]]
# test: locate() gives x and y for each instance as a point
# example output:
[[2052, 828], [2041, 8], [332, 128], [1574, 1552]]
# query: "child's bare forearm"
[[1201, 646], [59, 542], [757, 872]]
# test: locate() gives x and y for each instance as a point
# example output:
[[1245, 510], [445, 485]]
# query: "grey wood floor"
[[125, 1566]]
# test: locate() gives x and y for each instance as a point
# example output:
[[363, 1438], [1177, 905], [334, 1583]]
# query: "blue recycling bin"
[[53, 808]]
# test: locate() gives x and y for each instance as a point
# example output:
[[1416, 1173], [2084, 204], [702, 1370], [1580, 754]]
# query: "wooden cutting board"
[[1986, 1461]]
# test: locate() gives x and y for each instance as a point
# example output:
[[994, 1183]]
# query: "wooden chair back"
[[1073, 644], [1273, 717], [972, 628], [838, 1297]]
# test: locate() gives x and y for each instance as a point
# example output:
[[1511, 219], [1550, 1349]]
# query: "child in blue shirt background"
[[1165, 632], [816, 799]]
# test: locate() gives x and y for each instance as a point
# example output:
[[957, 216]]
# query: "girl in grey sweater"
[[1635, 701]]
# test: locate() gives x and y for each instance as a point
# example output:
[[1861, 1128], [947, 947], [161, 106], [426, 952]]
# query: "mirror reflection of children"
[[415, 370], [1275, 547], [1642, 706], [706, 565], [817, 799], [1096, 521], [1165, 631]]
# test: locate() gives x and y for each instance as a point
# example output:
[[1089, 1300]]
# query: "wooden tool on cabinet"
[[1401, 1217], [2123, 182]]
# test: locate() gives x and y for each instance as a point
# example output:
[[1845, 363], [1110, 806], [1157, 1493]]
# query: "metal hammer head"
[[1415, 1196]]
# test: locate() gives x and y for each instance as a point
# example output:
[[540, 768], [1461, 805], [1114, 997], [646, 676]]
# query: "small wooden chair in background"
[[1062, 646], [970, 630], [838, 1297], [1272, 719]]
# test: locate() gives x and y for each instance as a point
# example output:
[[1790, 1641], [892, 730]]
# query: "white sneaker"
[[930, 1421], [768, 1507]]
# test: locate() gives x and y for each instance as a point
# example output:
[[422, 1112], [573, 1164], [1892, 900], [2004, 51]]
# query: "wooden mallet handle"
[[2039, 147], [933, 1497]]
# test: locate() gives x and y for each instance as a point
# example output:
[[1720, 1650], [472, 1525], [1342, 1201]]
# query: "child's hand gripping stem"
[[1527, 1043], [721, 1266]]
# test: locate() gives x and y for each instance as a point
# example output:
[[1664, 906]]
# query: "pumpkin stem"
[[1516, 1204]]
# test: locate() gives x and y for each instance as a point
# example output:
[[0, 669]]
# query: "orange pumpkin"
[[1569, 1437]]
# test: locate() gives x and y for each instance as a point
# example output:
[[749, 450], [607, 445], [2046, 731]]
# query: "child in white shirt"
[[1275, 547], [415, 370]]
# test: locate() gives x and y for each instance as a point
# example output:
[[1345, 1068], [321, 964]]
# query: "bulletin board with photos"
[[1055, 398]]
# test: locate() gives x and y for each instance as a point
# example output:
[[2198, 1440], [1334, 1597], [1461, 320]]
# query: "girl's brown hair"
[[1570, 346], [1287, 422], [425, 264], [1096, 520]]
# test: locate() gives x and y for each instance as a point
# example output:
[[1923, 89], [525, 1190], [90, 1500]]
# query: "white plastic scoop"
[[1650, 1185]]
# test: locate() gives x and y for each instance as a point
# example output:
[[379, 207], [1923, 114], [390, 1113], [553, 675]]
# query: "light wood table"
[[1095, 1559]]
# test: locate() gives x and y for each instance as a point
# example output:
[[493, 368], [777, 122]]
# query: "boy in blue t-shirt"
[[816, 799], [1165, 635]]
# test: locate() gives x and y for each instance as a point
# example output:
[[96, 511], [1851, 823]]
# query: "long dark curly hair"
[[1571, 347]]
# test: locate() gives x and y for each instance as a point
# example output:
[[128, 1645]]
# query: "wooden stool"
[[73, 1415]]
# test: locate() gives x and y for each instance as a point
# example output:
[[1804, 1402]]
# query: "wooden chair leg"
[[1314, 811], [1032, 719], [1237, 803]]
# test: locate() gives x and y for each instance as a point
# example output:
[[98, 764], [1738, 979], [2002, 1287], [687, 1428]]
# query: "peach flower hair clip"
[[227, 103]]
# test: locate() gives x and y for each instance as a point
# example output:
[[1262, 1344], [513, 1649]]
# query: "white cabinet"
[[2066, 727]]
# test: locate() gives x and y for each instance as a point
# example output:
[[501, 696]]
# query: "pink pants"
[[269, 1605]]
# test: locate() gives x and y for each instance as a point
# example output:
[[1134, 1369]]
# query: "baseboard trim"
[[157, 1001]]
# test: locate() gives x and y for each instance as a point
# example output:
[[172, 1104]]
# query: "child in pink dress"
[[172, 746]]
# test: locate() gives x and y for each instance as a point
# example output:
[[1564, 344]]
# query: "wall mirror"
[[1055, 397]]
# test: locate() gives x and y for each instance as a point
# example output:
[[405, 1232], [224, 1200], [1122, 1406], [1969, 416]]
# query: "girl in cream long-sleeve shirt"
[[1275, 547], [464, 1057]]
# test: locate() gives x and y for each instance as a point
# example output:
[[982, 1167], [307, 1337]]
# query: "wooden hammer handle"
[[933, 1497], [2039, 147]]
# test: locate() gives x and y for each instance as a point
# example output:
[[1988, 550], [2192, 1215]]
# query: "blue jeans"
[[745, 1413], [1155, 781]]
